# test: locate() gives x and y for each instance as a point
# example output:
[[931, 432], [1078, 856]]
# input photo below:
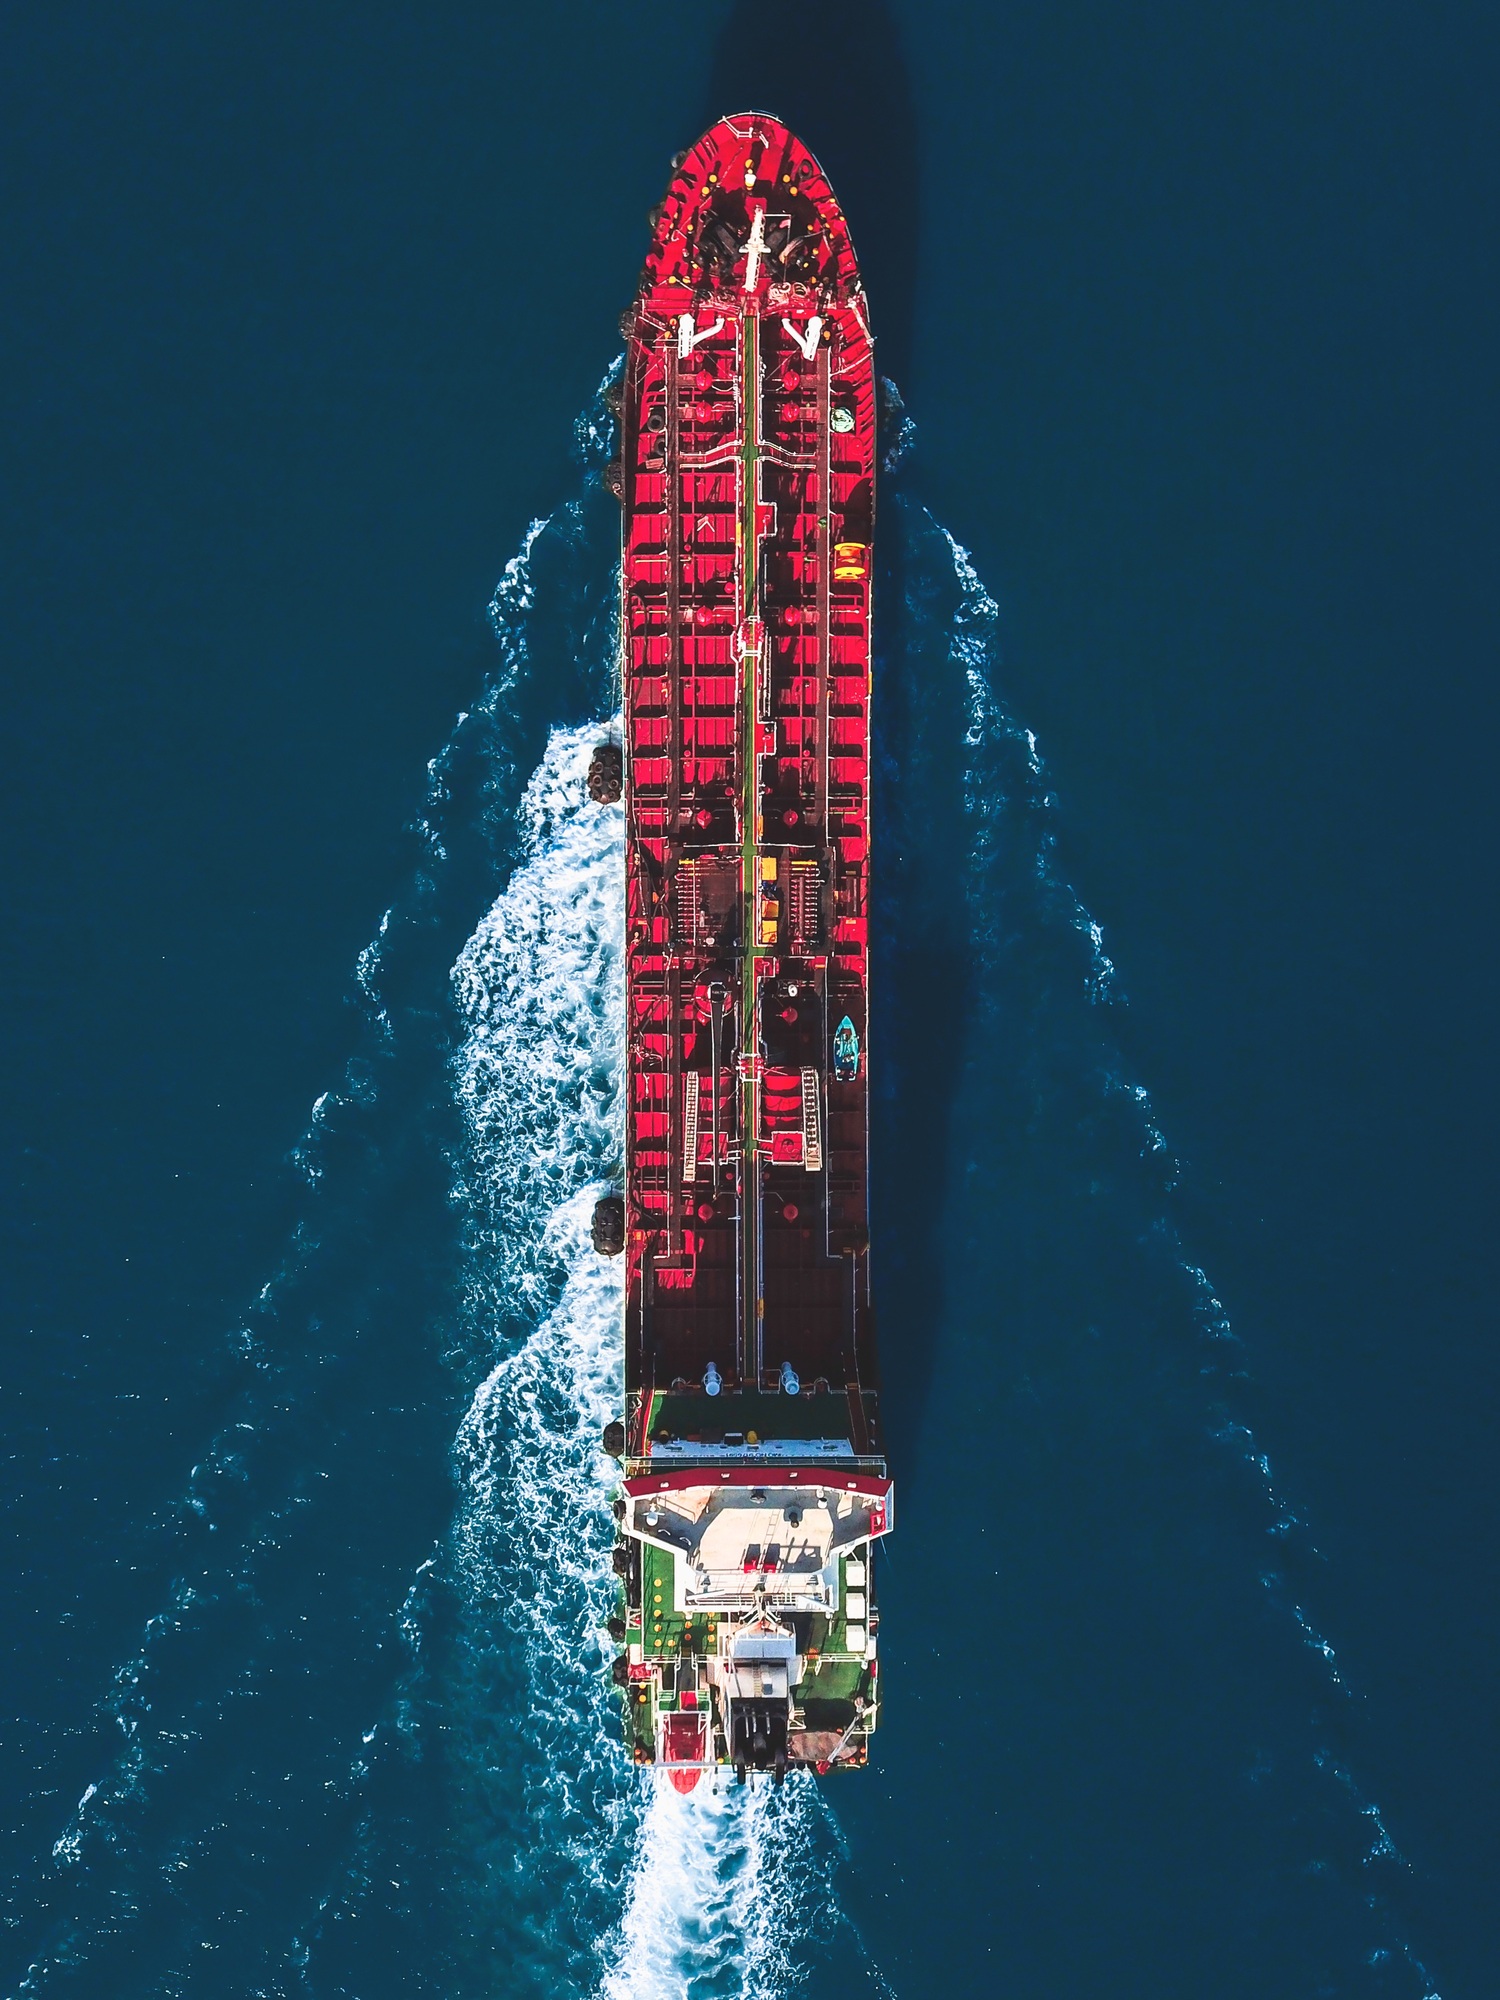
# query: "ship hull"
[[755, 1482]]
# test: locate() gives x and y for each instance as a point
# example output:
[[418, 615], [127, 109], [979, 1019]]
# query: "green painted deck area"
[[664, 1630], [708, 1419], [832, 1680]]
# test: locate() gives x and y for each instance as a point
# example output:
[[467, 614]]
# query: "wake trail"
[[729, 1885], [455, 1796]]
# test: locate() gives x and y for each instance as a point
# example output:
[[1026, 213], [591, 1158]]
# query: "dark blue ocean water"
[[1183, 1161]]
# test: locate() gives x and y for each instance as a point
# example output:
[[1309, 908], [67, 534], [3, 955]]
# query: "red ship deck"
[[747, 480]]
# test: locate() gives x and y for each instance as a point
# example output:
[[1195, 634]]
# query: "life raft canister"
[[845, 1051]]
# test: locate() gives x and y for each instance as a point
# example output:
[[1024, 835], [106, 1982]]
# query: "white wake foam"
[[538, 986], [537, 1077], [727, 1881]]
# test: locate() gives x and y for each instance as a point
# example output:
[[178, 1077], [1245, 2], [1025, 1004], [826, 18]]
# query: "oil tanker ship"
[[754, 1483]]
